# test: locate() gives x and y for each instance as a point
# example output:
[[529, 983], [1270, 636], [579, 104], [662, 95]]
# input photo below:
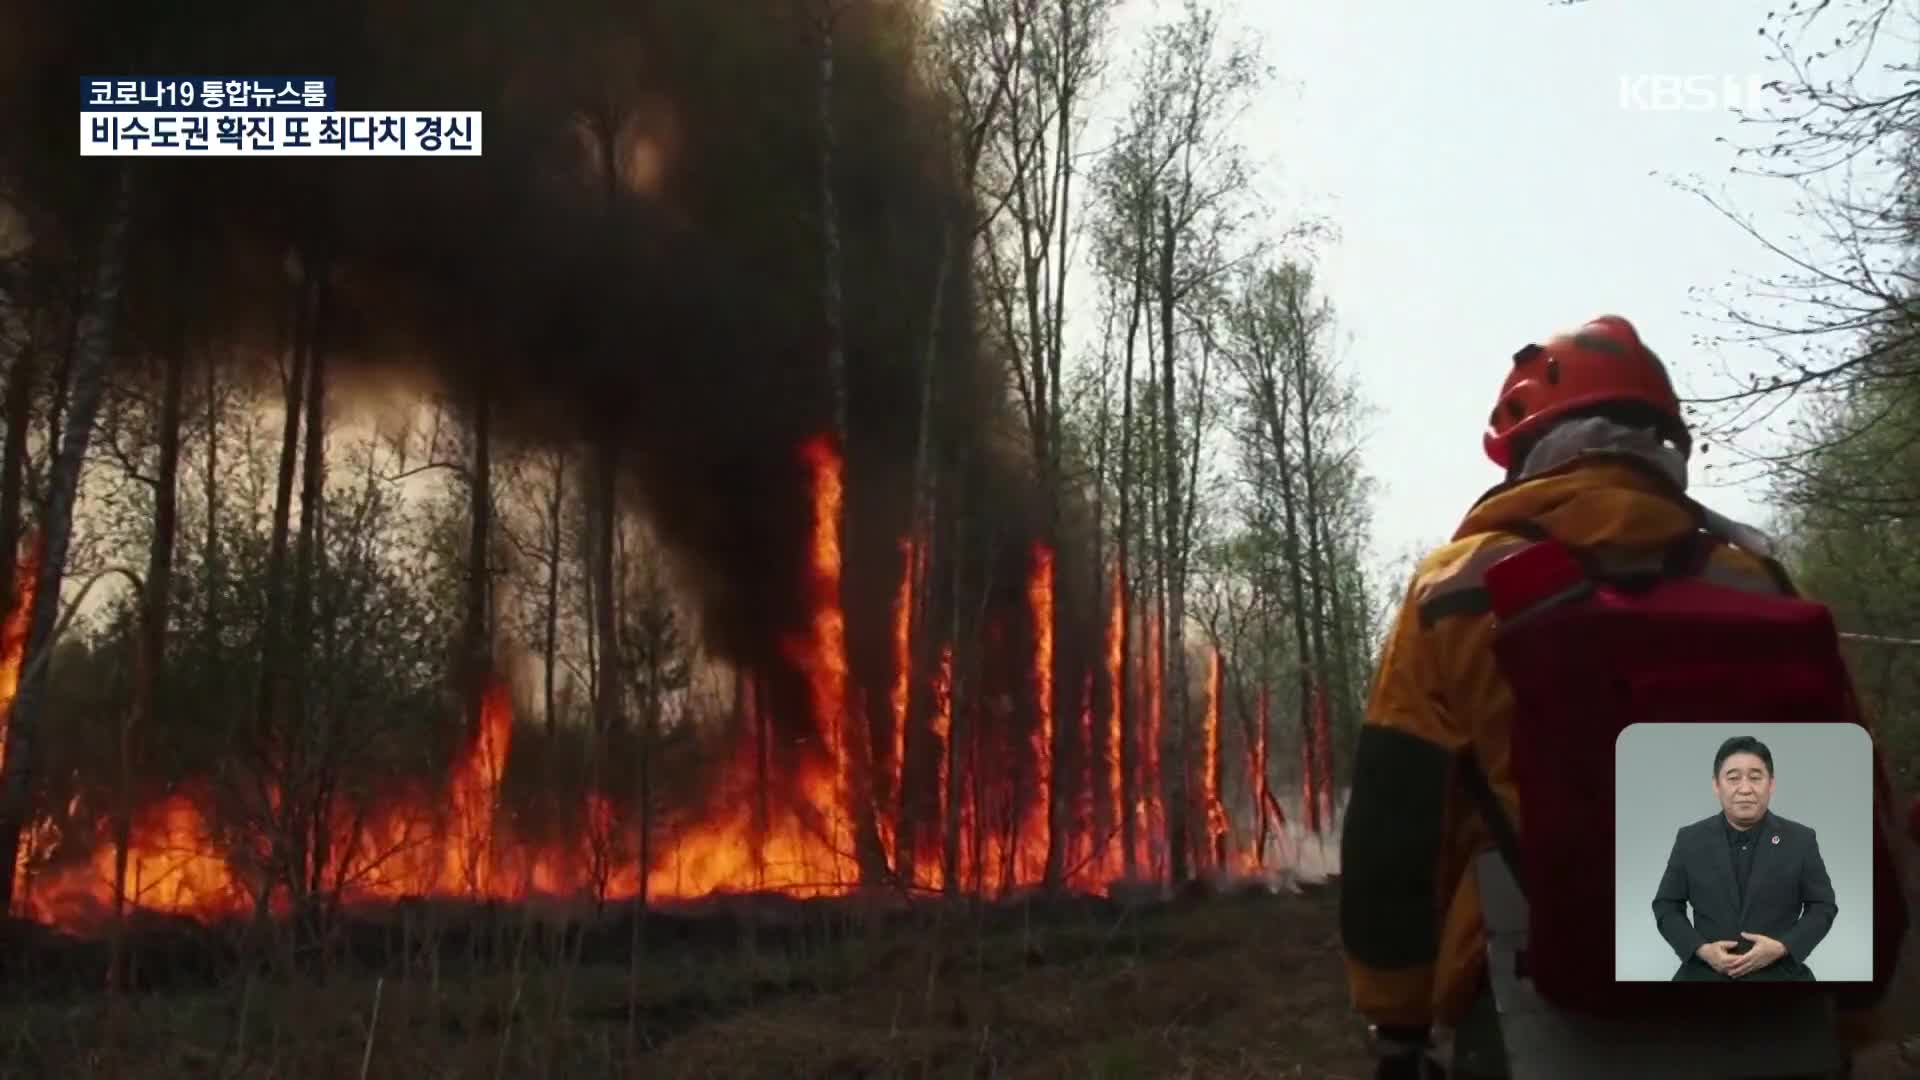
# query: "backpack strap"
[[1474, 778], [1688, 556], [1685, 557], [1748, 539]]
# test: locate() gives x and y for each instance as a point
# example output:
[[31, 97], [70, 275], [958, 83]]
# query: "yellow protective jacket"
[[1410, 907]]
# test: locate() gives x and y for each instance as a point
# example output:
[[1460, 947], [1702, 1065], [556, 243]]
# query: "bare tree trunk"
[[271, 697], [749, 715], [1317, 562], [1348, 634], [313, 784], [1263, 734], [1176, 584], [1064, 690], [921, 528], [1101, 697], [830, 297], [272, 650], [1153, 652], [62, 389], [1031, 364], [652, 662], [955, 242], [1332, 673], [13, 466], [591, 636], [478, 658], [550, 635], [868, 853], [607, 712], [1296, 583], [154, 617], [312, 490], [956, 730], [644, 786], [88, 371], [1129, 757], [211, 561]]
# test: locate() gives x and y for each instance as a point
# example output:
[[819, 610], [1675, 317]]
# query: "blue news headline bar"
[[257, 93]]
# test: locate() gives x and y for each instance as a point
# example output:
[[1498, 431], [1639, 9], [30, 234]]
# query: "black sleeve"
[[1390, 849], [1670, 905], [1818, 907]]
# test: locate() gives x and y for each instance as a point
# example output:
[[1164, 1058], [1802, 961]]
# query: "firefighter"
[[1596, 449]]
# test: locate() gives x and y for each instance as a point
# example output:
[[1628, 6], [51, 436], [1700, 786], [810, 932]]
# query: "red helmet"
[[1602, 363]]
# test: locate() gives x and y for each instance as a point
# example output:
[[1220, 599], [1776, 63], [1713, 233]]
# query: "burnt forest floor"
[[1246, 984], [1238, 985]]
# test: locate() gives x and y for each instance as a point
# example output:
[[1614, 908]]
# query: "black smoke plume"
[[668, 306]]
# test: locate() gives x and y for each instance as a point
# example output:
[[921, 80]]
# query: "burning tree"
[[611, 431]]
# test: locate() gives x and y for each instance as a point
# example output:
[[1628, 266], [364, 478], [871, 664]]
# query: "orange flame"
[[1257, 778], [942, 725], [13, 634], [13, 653], [790, 854], [1040, 603], [177, 863], [474, 791], [902, 672], [457, 842], [1116, 696], [1083, 803], [1323, 747], [1150, 758], [823, 653], [173, 865], [791, 833], [1210, 783]]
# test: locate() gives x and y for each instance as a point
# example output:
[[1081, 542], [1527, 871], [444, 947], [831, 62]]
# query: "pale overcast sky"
[[1490, 187]]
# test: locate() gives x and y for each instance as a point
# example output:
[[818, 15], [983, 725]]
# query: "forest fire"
[[1116, 728], [460, 839], [1257, 781], [13, 635], [941, 724], [1088, 847], [822, 655], [1151, 815], [1322, 765], [1040, 601], [1309, 788], [902, 682], [1210, 780]]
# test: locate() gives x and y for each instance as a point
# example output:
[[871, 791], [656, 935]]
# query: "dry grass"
[[1245, 985], [1229, 986]]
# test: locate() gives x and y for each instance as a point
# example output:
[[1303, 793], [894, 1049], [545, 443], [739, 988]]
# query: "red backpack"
[[1586, 654]]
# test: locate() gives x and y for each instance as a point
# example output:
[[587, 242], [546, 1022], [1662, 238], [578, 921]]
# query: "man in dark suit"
[[1759, 890]]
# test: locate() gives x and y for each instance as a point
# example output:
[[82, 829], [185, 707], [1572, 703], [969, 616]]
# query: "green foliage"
[[1854, 542], [384, 628]]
